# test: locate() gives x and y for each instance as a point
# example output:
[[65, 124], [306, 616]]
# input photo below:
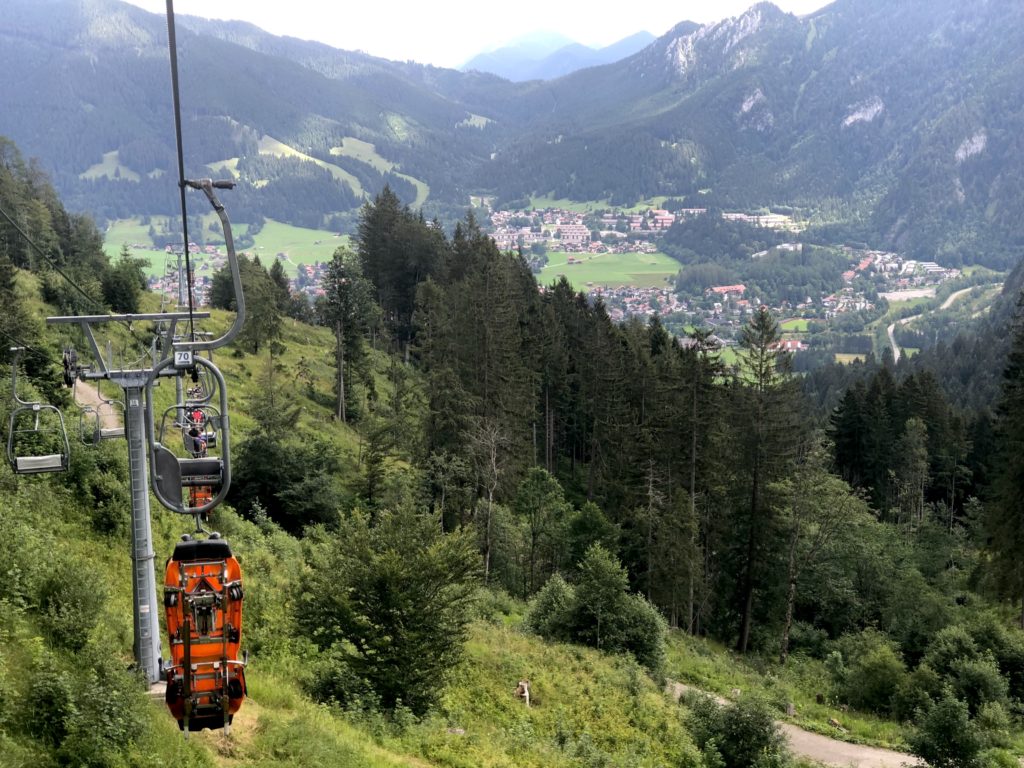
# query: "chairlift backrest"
[[37, 440]]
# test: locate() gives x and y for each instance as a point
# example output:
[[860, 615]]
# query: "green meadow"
[[300, 244], [644, 270], [794, 325], [594, 205], [366, 152]]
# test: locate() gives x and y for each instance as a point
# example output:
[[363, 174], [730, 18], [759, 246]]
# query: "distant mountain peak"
[[718, 39], [547, 55]]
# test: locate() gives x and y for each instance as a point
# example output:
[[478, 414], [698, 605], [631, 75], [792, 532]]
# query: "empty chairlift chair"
[[104, 421], [37, 440]]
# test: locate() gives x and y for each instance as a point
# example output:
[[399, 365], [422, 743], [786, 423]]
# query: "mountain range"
[[892, 124], [545, 56]]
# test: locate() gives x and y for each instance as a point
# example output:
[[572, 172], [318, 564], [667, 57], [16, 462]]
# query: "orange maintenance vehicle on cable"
[[203, 600]]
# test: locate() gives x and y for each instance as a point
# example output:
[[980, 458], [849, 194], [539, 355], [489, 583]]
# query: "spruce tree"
[[766, 425], [1004, 513]]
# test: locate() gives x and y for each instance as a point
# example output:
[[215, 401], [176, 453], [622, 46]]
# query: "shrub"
[[333, 681], [874, 678], [600, 612], [643, 633], [945, 736], [493, 604], [740, 735], [978, 681], [394, 600], [48, 705], [109, 716], [917, 691], [550, 612], [70, 600], [994, 724], [951, 644]]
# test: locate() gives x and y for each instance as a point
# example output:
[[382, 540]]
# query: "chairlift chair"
[[203, 604], [90, 423], [172, 473], [37, 440]]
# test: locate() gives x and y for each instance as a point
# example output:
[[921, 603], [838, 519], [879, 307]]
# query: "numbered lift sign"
[[183, 358]]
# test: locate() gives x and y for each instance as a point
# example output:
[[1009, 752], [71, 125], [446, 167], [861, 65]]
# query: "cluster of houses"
[[563, 230], [892, 271], [629, 301]]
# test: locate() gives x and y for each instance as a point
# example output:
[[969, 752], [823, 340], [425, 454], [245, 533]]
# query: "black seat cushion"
[[201, 549]]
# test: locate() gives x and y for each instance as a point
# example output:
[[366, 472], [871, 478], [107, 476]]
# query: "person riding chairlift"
[[197, 442]]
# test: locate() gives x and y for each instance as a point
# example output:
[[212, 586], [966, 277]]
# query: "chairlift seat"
[[111, 433], [200, 471], [30, 465]]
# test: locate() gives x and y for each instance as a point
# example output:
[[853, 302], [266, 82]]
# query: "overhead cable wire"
[[172, 45], [92, 300], [49, 260]]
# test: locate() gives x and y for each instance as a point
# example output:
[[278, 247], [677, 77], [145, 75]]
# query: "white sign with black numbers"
[[183, 358]]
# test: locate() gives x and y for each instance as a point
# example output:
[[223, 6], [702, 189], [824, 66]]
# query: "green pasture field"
[[912, 302], [303, 245], [846, 358], [225, 167], [110, 168], [366, 152], [567, 205], [794, 325], [270, 146], [594, 205], [644, 270]]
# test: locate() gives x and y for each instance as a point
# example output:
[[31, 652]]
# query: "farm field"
[[644, 270], [794, 325], [302, 245]]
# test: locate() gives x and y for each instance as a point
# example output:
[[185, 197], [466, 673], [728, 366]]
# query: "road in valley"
[[891, 330]]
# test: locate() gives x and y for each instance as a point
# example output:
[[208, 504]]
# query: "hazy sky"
[[449, 32]]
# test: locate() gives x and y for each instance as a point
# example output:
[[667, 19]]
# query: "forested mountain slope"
[[887, 123]]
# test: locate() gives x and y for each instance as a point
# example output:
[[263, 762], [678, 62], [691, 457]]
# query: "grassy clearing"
[[848, 358], [302, 245], [110, 168], [567, 205], [268, 145], [794, 325], [475, 121], [225, 167], [647, 270], [366, 152]]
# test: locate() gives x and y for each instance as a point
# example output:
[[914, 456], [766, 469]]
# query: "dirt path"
[[89, 395], [822, 749]]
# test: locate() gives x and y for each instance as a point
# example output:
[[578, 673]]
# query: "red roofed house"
[[789, 345], [728, 291]]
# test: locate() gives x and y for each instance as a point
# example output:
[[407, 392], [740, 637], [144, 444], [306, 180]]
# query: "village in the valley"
[[568, 239]]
